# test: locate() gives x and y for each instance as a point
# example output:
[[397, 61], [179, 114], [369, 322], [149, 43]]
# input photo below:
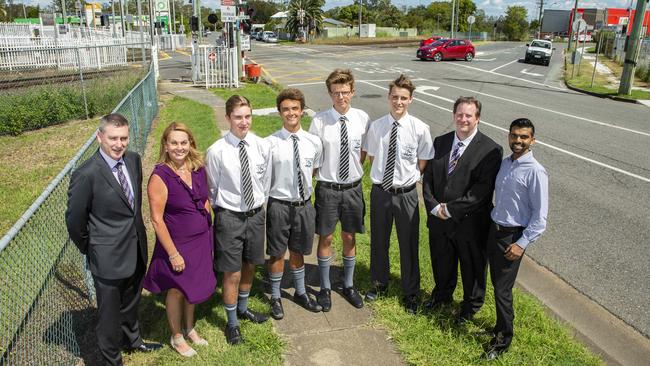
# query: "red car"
[[444, 49], [429, 40]]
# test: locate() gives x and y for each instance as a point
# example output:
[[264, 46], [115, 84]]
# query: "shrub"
[[40, 106]]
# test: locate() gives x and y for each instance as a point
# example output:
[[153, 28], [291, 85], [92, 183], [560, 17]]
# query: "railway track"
[[29, 81]]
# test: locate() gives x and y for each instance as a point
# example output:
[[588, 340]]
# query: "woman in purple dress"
[[181, 263]]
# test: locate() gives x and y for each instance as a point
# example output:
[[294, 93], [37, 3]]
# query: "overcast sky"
[[491, 7]]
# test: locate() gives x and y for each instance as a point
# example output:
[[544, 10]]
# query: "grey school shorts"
[[346, 205], [289, 226], [238, 238]]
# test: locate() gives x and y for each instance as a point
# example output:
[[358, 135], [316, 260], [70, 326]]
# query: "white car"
[[269, 37], [539, 50]]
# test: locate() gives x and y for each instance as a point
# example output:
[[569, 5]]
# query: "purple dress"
[[190, 227]]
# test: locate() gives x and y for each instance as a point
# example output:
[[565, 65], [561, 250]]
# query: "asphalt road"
[[595, 150]]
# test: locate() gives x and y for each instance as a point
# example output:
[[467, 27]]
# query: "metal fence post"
[[81, 79]]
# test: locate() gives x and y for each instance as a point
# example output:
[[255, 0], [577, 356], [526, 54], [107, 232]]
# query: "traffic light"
[[194, 23], [104, 20]]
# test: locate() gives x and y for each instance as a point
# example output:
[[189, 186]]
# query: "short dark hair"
[[290, 94], [340, 76], [523, 123], [113, 119], [404, 82], [468, 100], [237, 101]]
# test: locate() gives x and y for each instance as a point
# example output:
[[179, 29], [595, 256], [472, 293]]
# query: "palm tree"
[[303, 15]]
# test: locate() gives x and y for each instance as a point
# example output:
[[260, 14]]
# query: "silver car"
[[269, 37]]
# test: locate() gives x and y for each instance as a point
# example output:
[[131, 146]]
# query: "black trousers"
[[446, 252], [386, 207], [117, 305], [503, 273]]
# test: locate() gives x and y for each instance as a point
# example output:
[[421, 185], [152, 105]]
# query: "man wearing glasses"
[[339, 195]]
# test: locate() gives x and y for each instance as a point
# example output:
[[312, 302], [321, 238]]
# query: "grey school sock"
[[348, 270], [276, 281], [242, 301], [231, 314], [324, 264], [299, 280]]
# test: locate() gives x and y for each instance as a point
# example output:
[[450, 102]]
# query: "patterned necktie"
[[246, 184], [389, 172], [455, 155], [344, 156], [123, 183], [296, 159]]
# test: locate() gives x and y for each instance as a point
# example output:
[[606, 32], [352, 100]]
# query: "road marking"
[[497, 68], [525, 72], [507, 76], [421, 90], [484, 59], [184, 53], [162, 55], [360, 81], [605, 124], [559, 149]]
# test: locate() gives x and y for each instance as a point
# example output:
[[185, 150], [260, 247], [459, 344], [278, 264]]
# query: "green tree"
[[263, 10], [515, 25], [311, 19]]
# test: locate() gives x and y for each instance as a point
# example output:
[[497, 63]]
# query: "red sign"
[[212, 56], [227, 2]]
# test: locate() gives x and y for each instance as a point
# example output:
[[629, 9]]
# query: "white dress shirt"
[[284, 180], [413, 143], [224, 171], [461, 150], [327, 127]]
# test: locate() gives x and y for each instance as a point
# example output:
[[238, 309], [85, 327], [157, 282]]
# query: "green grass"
[[260, 95], [262, 344], [601, 85], [31, 160]]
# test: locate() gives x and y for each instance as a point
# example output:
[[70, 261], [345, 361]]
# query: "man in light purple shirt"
[[519, 218]]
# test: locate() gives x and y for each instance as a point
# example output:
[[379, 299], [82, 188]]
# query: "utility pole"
[[360, 6], [458, 18], [539, 19], [573, 20], [453, 9], [65, 21], [113, 17], [122, 17], [632, 53]]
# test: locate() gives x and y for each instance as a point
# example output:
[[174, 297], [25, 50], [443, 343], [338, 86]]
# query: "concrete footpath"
[[327, 341]]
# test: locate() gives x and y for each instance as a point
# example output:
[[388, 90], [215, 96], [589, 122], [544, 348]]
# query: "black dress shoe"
[[434, 305], [146, 347], [277, 311], [324, 299], [252, 316], [410, 304], [374, 293], [353, 297], [233, 335], [464, 318], [307, 302]]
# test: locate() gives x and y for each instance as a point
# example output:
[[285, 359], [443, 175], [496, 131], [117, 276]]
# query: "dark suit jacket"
[[100, 220], [467, 191]]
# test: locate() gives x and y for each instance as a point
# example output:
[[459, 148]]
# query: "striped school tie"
[[296, 159], [246, 183], [123, 183], [344, 156], [455, 155], [389, 172]]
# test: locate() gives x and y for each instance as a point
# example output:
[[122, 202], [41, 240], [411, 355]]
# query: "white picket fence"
[[215, 66]]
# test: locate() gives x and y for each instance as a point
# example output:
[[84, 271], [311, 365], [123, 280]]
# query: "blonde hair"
[[193, 159]]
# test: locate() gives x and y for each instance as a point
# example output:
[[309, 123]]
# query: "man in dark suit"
[[105, 222], [457, 188]]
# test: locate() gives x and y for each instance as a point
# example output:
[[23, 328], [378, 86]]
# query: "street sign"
[[212, 56], [227, 2], [228, 13], [245, 42], [471, 19], [579, 26], [161, 5]]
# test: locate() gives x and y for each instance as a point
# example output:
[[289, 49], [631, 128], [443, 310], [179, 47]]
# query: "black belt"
[[508, 229], [396, 190], [339, 186], [249, 213], [291, 203]]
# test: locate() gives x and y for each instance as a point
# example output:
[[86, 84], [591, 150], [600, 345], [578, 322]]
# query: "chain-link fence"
[[46, 306]]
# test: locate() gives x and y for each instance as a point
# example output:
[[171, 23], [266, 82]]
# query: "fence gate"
[[215, 66]]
